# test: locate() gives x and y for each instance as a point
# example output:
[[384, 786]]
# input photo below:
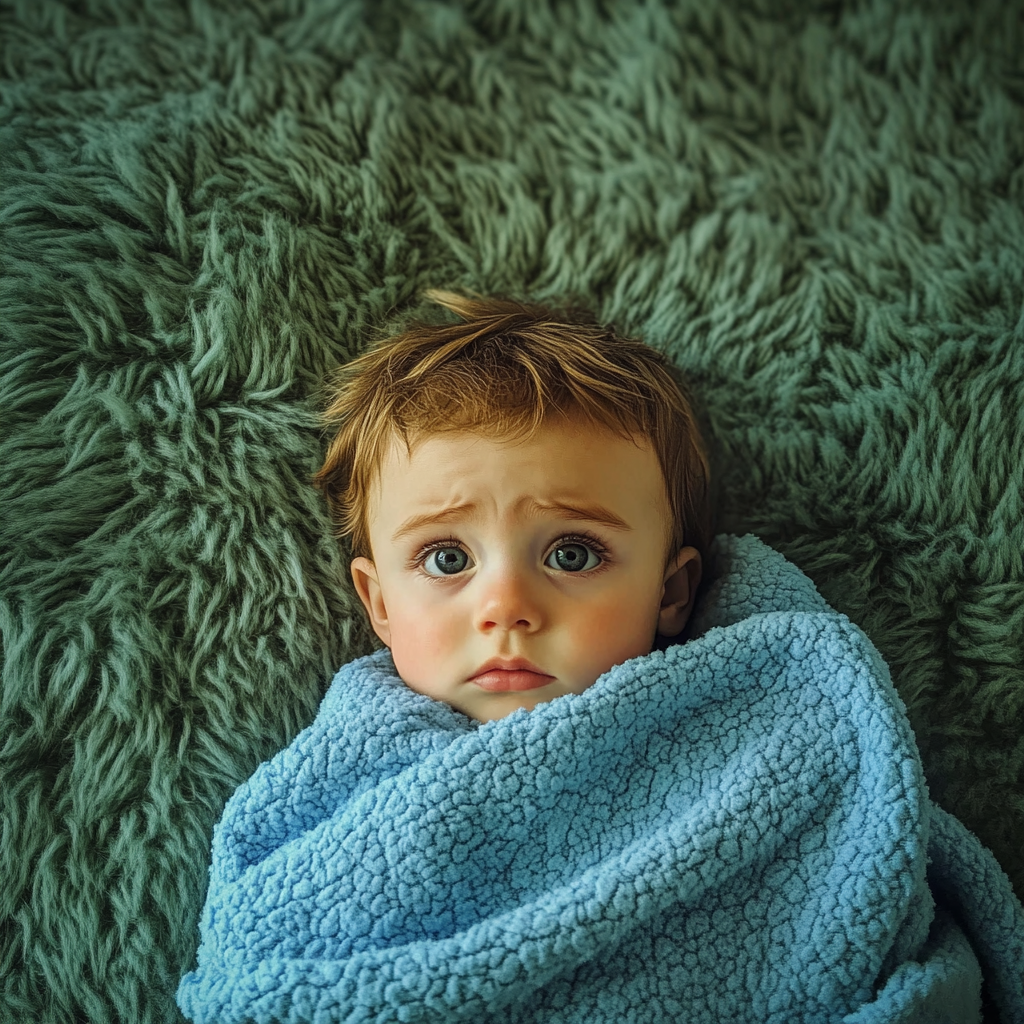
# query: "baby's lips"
[[503, 681]]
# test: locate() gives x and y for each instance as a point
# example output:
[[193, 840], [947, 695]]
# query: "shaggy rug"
[[817, 209]]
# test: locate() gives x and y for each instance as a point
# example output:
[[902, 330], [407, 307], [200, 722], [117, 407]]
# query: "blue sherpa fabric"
[[735, 829]]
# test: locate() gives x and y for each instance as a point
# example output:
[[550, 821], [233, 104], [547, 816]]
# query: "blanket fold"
[[734, 829]]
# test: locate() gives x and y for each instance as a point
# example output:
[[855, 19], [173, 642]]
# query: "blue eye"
[[574, 558], [575, 554], [449, 560]]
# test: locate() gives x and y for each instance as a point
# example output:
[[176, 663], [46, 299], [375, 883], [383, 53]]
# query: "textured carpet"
[[816, 210]]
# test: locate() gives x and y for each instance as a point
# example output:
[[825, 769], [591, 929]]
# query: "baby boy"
[[527, 496], [708, 836]]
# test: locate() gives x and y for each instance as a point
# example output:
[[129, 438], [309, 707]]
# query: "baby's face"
[[479, 557]]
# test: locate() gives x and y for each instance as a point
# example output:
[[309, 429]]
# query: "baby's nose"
[[507, 601]]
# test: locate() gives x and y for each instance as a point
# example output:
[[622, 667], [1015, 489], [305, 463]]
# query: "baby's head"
[[522, 490]]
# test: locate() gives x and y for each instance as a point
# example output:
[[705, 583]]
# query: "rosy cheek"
[[421, 644], [611, 633]]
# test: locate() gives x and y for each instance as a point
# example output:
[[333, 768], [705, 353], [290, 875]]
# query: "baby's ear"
[[364, 577], [680, 591]]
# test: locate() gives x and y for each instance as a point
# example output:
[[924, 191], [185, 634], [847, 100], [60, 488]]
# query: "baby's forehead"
[[579, 456], [586, 466]]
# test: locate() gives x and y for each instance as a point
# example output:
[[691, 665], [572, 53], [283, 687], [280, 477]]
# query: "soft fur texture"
[[817, 210], [735, 829]]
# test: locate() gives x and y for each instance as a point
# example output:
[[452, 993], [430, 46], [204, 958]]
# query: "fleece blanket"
[[734, 829]]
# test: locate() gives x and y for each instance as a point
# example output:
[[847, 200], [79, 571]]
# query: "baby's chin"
[[488, 706], [491, 707], [495, 713]]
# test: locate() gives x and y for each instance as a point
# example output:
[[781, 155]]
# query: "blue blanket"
[[735, 829]]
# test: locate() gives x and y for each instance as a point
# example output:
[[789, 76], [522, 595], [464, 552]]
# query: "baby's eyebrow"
[[592, 513]]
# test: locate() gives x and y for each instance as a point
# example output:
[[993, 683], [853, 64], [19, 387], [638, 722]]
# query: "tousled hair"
[[503, 369]]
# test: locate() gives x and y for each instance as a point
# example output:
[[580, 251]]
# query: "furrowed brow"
[[583, 513], [451, 514], [566, 510]]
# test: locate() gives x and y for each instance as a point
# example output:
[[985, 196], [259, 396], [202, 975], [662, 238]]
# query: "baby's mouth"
[[505, 681]]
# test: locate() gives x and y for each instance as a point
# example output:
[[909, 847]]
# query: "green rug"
[[817, 210]]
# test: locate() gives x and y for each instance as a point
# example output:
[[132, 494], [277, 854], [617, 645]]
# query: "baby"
[[735, 829], [546, 515]]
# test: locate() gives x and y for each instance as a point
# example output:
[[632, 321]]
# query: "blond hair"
[[503, 369]]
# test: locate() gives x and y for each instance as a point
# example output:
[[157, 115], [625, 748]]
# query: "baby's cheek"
[[421, 643], [613, 633]]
